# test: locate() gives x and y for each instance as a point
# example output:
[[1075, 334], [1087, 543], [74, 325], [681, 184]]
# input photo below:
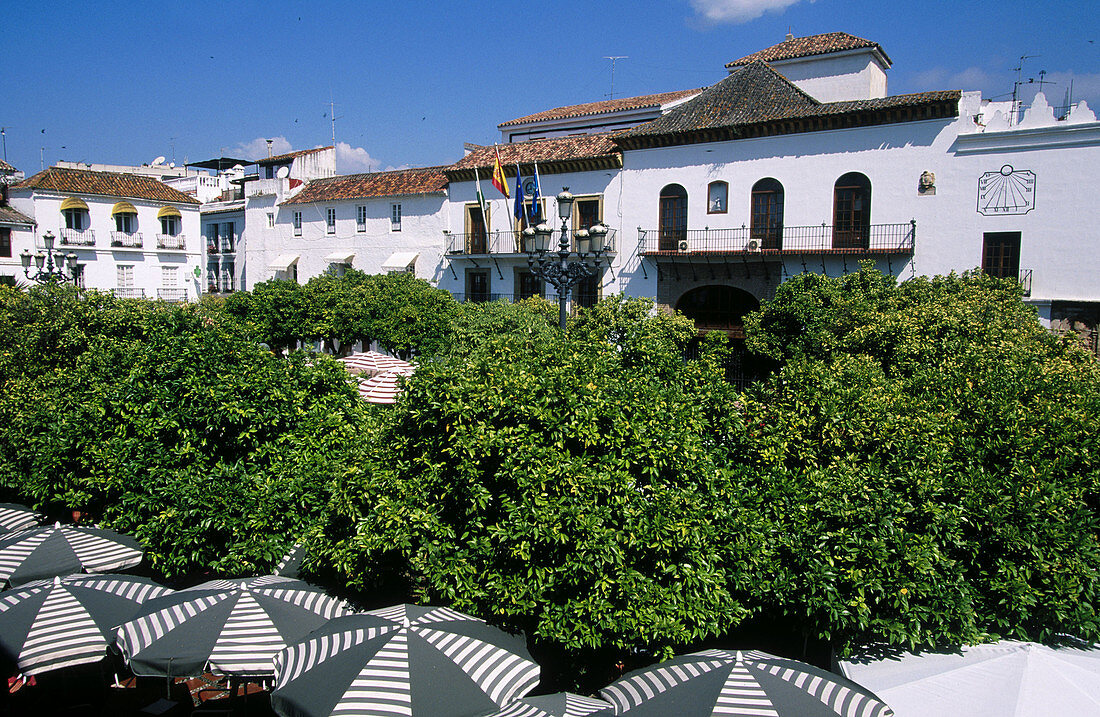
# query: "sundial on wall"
[[1006, 191]]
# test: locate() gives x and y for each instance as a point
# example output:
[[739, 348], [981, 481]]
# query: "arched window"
[[766, 215], [718, 197], [720, 308], [852, 212], [672, 227]]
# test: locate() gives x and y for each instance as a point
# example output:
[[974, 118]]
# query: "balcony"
[[126, 239], [225, 286], [171, 241], [819, 239], [78, 237], [222, 245], [504, 242], [128, 292], [1025, 281], [176, 295]]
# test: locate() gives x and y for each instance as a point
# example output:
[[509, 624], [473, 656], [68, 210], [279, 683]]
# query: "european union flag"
[[518, 208]]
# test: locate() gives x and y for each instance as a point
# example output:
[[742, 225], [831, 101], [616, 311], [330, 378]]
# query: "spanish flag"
[[499, 180]]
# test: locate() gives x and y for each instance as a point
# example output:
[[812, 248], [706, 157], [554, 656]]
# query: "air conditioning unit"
[[682, 246], [752, 245]]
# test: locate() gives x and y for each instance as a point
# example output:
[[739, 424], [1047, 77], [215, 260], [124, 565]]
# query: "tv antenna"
[[4, 138], [611, 95], [1016, 87]]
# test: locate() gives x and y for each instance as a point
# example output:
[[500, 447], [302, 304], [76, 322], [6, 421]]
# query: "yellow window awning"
[[123, 208], [168, 212], [73, 203]]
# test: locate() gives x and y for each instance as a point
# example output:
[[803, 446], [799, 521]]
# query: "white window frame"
[[361, 218], [169, 277], [297, 224], [270, 219], [169, 226], [124, 275], [330, 220], [395, 217]]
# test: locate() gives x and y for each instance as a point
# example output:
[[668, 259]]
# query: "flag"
[[535, 215], [518, 207], [481, 199], [499, 180]]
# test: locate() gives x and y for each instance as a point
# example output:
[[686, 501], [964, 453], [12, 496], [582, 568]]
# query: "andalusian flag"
[[499, 180], [481, 199]]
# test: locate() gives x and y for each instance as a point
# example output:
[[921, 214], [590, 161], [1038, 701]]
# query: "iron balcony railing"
[[131, 239], [1025, 281], [78, 237], [817, 239], [172, 294], [171, 241], [128, 292], [222, 245], [505, 242]]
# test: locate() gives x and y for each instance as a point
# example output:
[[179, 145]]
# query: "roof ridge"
[[611, 104]]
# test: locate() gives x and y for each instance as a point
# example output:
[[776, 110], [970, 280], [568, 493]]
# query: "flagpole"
[[504, 180]]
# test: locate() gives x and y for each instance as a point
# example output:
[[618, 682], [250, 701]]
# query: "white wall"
[[101, 261], [854, 75]]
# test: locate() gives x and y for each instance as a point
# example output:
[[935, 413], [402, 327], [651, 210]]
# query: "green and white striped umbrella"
[[229, 627], [560, 704], [17, 517], [39, 553], [49, 624], [718, 683], [403, 660]]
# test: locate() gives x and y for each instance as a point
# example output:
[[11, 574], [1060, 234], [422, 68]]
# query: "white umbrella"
[[383, 388], [372, 363], [1003, 679]]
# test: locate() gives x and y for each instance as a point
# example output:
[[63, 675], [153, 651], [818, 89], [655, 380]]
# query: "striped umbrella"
[[17, 517], [372, 363], [38, 553], [718, 682], [50, 624], [560, 704], [403, 660], [383, 388], [230, 627]]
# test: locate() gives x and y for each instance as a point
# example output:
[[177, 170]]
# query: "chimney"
[[269, 141], [789, 35]]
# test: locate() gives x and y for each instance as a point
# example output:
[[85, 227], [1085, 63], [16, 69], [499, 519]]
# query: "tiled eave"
[[362, 197], [560, 166], [941, 109]]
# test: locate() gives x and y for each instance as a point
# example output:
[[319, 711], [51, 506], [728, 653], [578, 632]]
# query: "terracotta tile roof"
[[6, 168], [402, 182], [604, 107], [9, 215], [560, 154], [284, 158], [755, 100], [107, 184], [808, 46]]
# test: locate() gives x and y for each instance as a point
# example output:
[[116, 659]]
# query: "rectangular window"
[[169, 226], [76, 219], [395, 217], [228, 270], [297, 224], [361, 218], [169, 276], [330, 220], [587, 211], [270, 219], [228, 237], [5, 241], [124, 223], [1001, 254], [477, 285], [717, 194], [125, 276], [527, 285], [269, 172], [587, 293]]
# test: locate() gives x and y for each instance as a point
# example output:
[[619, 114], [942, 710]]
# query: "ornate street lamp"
[[556, 268], [46, 272]]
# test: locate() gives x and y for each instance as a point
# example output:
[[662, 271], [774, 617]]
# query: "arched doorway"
[[718, 308], [766, 218], [723, 308], [852, 212], [672, 221]]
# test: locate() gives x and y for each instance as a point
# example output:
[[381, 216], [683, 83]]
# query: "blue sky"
[[122, 83]]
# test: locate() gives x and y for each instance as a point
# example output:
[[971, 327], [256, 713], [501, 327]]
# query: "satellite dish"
[[283, 172], [158, 160]]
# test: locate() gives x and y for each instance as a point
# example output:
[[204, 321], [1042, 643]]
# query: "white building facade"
[[132, 234]]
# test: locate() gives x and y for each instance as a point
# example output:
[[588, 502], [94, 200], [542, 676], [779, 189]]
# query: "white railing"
[[128, 292], [172, 294], [132, 239], [78, 237], [170, 241]]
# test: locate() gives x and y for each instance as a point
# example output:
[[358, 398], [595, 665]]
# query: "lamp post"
[[556, 268], [46, 272]]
